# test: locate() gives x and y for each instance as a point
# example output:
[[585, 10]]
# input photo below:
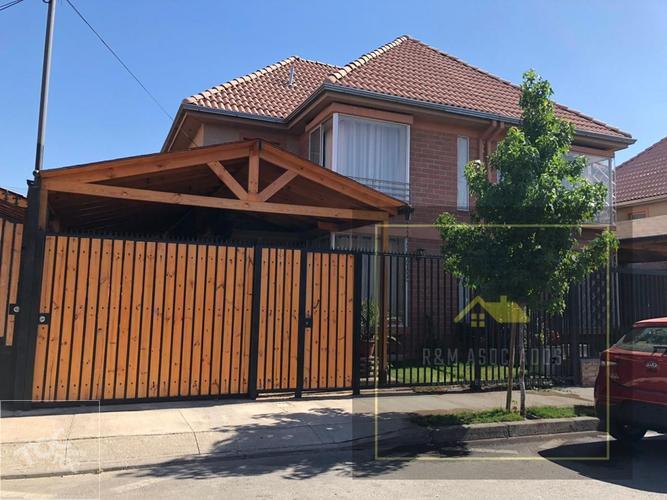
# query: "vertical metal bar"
[[383, 321], [254, 328], [301, 343], [356, 326], [390, 313]]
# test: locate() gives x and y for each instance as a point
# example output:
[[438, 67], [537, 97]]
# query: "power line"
[[113, 52], [9, 4]]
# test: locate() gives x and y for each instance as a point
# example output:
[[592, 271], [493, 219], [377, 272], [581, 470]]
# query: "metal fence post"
[[254, 321], [356, 327], [302, 325], [384, 324], [574, 337], [30, 285]]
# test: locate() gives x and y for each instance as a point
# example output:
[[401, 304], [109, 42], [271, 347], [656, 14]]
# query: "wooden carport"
[[254, 183], [131, 289]]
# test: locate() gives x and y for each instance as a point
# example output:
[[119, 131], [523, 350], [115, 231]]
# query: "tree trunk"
[[510, 367], [522, 368]]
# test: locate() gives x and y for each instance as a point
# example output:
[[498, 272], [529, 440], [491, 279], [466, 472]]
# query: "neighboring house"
[[12, 205], [641, 208], [404, 119]]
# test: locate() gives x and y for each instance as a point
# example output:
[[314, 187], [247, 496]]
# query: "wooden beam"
[[228, 180], [43, 215], [140, 165], [330, 179], [253, 173], [332, 227], [212, 202], [276, 185]]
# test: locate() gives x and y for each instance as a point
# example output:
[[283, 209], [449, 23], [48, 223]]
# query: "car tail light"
[[612, 364]]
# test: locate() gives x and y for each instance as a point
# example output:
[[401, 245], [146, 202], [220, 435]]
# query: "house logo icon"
[[503, 311]]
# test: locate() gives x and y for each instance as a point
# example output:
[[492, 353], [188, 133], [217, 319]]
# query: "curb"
[[506, 430], [409, 435]]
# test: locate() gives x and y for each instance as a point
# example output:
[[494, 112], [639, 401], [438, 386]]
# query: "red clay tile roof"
[[404, 68], [409, 68], [644, 175], [267, 91]]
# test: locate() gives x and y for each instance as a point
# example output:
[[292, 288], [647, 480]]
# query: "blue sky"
[[605, 58]]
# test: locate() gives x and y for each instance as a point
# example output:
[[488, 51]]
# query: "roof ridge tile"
[[364, 58], [205, 94]]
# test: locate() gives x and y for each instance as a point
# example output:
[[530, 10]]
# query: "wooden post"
[[253, 174]]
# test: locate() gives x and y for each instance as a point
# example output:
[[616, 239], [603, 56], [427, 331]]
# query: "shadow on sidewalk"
[[321, 426], [641, 467]]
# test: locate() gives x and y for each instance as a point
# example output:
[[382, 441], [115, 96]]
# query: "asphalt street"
[[583, 465]]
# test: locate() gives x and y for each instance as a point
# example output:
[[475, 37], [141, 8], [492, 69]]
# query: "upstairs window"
[[462, 194], [600, 169], [373, 152], [320, 147]]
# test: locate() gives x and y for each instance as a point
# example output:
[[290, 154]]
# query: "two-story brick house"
[[404, 119], [641, 208]]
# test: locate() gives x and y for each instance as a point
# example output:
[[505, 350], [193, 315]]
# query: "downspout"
[[484, 140]]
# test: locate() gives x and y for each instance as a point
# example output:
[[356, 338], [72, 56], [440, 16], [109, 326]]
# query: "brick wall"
[[433, 186]]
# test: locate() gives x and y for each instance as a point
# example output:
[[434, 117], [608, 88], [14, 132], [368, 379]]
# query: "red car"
[[635, 369]]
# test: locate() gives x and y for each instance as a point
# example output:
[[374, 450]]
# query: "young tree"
[[524, 239]]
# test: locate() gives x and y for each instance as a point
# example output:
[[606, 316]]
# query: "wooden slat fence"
[[11, 236], [142, 319]]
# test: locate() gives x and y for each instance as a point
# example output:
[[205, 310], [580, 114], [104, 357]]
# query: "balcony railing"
[[398, 190]]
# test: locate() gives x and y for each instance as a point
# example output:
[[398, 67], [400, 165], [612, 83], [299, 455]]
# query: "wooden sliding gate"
[[123, 319]]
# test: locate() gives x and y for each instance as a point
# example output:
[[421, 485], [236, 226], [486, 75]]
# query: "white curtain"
[[371, 149]]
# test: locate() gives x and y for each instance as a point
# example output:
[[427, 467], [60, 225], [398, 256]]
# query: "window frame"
[[335, 117], [460, 176]]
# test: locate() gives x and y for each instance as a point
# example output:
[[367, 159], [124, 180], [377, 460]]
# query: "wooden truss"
[[101, 179]]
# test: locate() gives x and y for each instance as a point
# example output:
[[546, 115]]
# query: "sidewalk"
[[73, 440]]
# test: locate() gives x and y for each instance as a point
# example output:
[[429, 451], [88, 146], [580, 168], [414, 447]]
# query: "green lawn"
[[500, 415], [560, 411], [467, 417], [443, 374]]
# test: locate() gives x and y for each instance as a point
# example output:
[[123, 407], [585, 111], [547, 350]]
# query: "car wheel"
[[626, 433]]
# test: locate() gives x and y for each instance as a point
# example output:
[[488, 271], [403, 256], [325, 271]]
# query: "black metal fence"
[[413, 331], [326, 320]]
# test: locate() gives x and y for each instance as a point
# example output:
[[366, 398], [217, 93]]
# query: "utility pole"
[[44, 96]]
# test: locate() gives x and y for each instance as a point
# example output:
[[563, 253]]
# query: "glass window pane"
[[374, 153], [314, 146]]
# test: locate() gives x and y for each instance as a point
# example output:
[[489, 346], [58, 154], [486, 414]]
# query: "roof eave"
[[185, 108], [336, 88], [175, 125], [471, 113]]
